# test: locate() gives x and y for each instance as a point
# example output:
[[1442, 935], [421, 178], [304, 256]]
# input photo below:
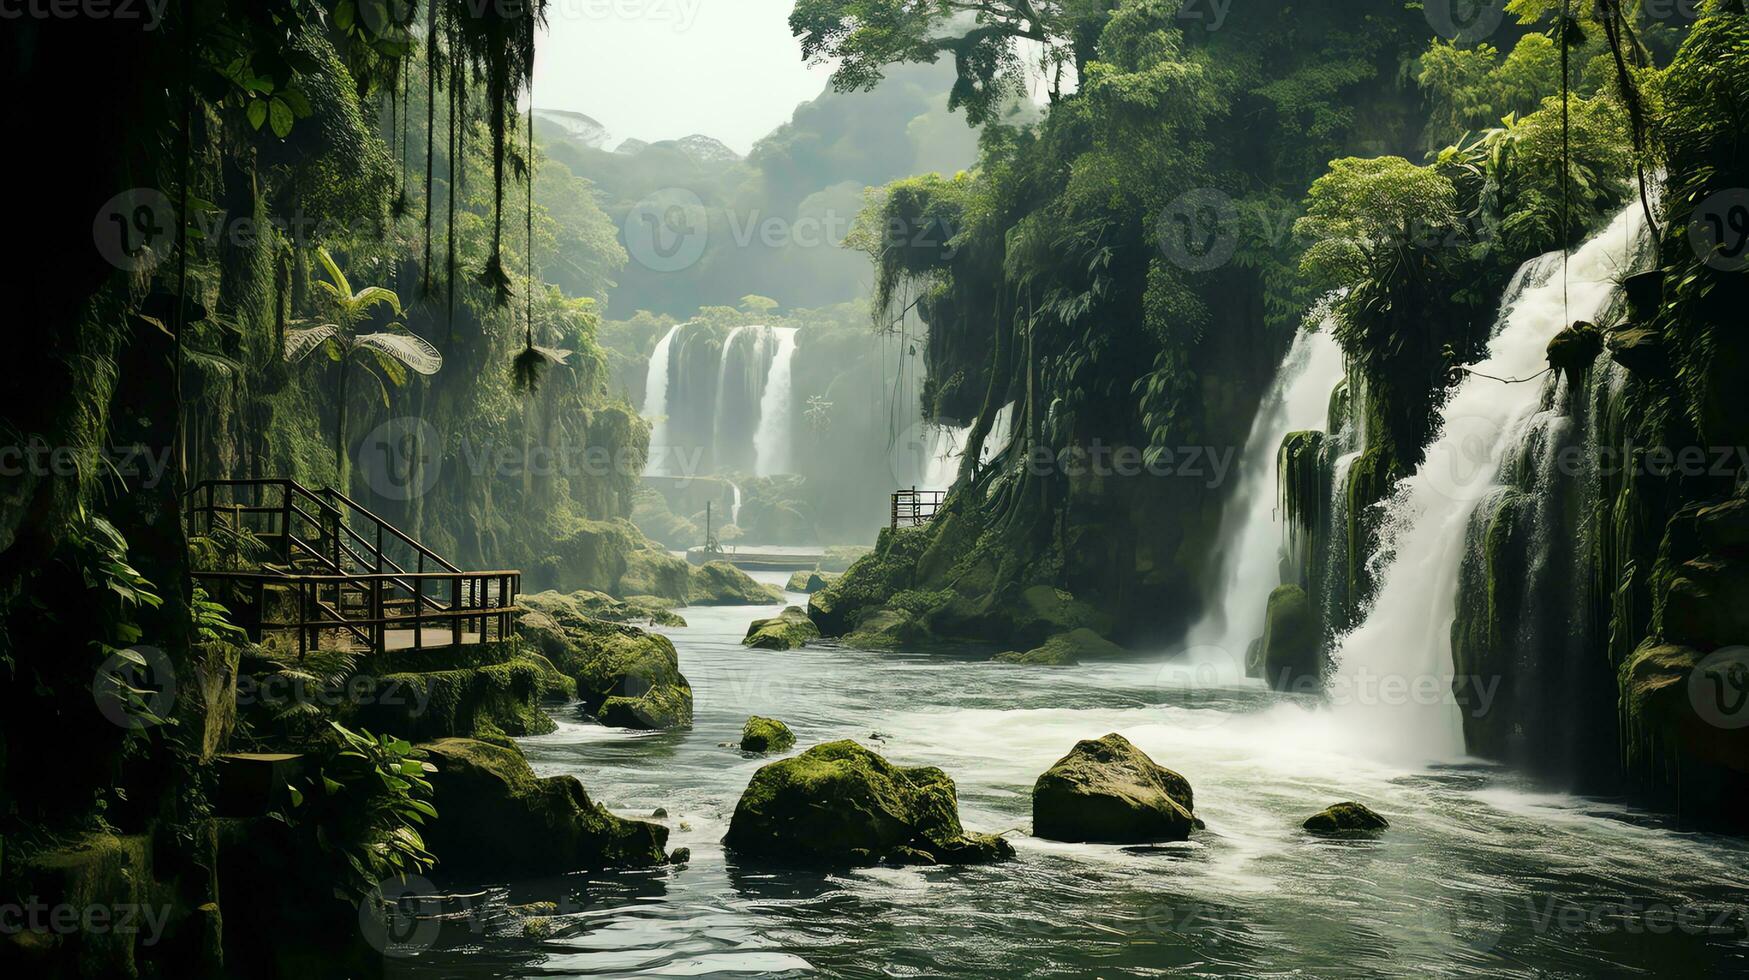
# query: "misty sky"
[[662, 69]]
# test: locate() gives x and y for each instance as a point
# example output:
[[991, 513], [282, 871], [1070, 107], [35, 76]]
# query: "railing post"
[[455, 619], [303, 620], [418, 610]]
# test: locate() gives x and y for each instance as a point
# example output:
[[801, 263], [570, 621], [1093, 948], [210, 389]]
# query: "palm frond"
[[410, 349], [300, 341], [369, 296], [341, 283]]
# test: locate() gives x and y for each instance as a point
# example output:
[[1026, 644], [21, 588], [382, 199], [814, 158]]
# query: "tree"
[[391, 354], [982, 36]]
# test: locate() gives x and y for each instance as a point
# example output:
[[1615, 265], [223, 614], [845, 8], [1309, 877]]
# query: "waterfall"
[[1298, 400], [944, 448], [735, 508], [1394, 671], [656, 403], [771, 441], [742, 373]]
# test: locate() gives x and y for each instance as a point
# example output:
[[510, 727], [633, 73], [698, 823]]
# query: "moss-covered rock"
[[1346, 818], [1292, 653], [719, 583], [482, 690], [654, 572], [1572, 351], [627, 677], [612, 557], [811, 582], [891, 568], [766, 735], [1108, 791], [587, 604], [887, 629], [841, 804], [1066, 650], [788, 630], [495, 817]]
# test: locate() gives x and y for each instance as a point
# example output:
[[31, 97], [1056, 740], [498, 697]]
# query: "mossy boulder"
[[811, 582], [877, 576], [496, 817], [654, 572], [887, 629], [588, 604], [477, 691], [1108, 791], [627, 677], [1292, 652], [1572, 351], [788, 630], [840, 804], [1641, 350], [1346, 818], [766, 735], [719, 583], [1067, 650]]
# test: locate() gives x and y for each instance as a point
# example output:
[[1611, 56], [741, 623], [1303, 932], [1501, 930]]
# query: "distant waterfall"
[[1298, 400], [735, 508], [771, 442], [945, 445], [656, 403], [742, 377], [1394, 671]]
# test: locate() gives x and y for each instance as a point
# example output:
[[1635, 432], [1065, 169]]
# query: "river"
[[1480, 873]]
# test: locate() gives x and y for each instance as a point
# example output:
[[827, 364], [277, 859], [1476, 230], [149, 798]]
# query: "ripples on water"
[[1479, 873]]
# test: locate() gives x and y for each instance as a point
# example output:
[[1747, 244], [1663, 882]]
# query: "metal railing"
[[915, 508]]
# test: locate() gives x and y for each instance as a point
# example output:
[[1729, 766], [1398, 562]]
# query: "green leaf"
[[282, 118], [257, 113]]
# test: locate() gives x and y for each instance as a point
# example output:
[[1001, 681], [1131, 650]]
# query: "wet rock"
[[1067, 650], [612, 557], [841, 804], [1346, 818], [495, 816], [839, 557], [1572, 351], [1108, 791], [811, 582], [719, 583], [680, 855], [1640, 350], [1292, 652], [626, 677], [766, 735], [788, 630], [887, 629]]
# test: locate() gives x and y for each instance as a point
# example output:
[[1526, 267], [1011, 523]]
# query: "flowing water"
[[771, 442], [656, 402], [1479, 875], [1394, 671], [1252, 527]]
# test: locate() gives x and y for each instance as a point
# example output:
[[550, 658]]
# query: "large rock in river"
[[627, 677], [1108, 791], [719, 583], [1346, 818], [495, 817], [1292, 653], [841, 804], [787, 630], [766, 735]]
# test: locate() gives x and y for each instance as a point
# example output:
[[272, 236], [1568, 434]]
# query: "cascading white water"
[[1298, 400], [656, 403], [723, 377], [1394, 671], [944, 448], [735, 508], [771, 441]]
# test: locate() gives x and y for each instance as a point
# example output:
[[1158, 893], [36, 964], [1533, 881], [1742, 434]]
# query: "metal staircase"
[[337, 575]]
